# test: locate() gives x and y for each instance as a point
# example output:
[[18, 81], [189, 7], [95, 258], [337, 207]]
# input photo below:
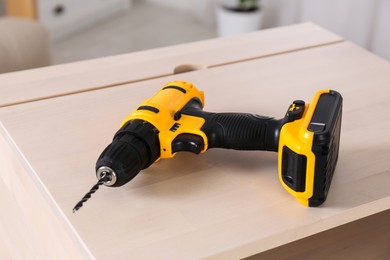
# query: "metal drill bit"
[[104, 178]]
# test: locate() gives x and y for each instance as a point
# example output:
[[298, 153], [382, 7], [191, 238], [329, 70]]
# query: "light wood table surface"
[[223, 204]]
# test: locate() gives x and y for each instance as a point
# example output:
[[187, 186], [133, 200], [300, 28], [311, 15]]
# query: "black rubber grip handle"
[[240, 131]]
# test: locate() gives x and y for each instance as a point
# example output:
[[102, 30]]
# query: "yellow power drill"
[[307, 139]]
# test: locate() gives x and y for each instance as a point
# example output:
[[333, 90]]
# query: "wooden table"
[[223, 204]]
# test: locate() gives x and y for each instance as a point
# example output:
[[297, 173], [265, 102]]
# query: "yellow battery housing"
[[308, 149]]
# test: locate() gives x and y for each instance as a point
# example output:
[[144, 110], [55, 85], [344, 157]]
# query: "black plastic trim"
[[149, 108], [176, 87], [294, 169], [188, 142], [326, 141]]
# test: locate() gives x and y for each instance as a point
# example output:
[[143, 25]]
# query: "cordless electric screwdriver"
[[306, 138]]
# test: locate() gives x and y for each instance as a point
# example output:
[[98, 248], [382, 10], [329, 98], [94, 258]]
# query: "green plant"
[[249, 5], [241, 5]]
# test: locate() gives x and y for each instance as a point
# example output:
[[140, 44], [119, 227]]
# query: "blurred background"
[[36, 33]]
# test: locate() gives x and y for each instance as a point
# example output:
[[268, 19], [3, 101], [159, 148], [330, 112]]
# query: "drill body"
[[173, 120]]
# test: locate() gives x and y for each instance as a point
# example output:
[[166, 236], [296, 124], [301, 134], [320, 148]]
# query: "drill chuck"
[[106, 171], [134, 147]]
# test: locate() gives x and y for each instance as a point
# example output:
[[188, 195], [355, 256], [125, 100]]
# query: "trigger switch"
[[188, 143]]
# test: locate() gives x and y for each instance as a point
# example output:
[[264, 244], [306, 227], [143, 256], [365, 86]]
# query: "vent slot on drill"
[[174, 127]]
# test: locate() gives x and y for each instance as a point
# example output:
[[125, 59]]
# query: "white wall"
[[380, 43], [364, 22], [182, 5]]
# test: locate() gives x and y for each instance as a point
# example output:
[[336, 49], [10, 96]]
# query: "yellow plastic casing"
[[296, 136], [168, 101]]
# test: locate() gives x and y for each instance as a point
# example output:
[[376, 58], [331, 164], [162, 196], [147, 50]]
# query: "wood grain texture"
[[361, 239], [223, 204], [31, 221], [108, 72]]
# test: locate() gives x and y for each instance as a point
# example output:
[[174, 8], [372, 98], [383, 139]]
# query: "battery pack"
[[309, 148]]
